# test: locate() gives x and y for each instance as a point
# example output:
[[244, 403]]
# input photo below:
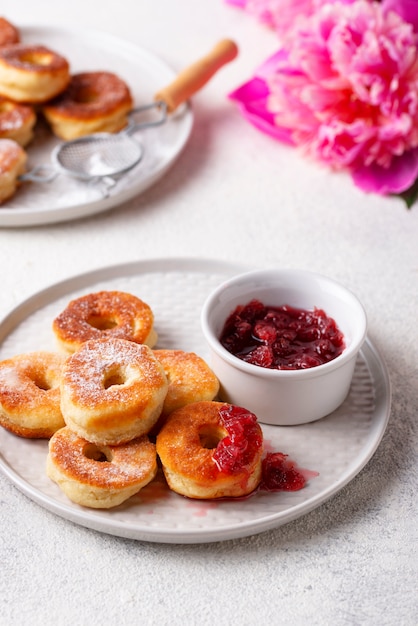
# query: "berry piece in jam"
[[236, 451], [281, 337]]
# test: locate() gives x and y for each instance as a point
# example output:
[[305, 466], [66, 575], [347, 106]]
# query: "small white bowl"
[[285, 397]]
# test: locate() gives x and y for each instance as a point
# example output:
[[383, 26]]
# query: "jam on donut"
[[211, 450], [30, 394], [93, 102], [99, 477], [112, 391]]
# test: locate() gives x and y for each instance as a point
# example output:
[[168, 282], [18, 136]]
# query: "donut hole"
[[210, 436], [42, 383], [102, 323], [115, 376], [36, 58], [94, 453]]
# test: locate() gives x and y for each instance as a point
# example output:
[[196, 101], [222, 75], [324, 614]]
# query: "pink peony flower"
[[282, 15], [346, 92]]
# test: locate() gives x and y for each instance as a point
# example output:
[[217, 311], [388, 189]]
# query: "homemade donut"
[[104, 314], [30, 394], [16, 121], [112, 391], [32, 73], [189, 377], [93, 102], [99, 477], [9, 34], [211, 450], [12, 163]]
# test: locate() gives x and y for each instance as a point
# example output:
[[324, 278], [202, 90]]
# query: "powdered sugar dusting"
[[126, 464], [10, 155], [87, 371], [10, 378], [105, 313], [29, 379]]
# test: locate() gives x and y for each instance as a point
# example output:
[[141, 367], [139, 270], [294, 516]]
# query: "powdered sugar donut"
[[16, 121], [99, 477], [9, 34], [12, 163], [190, 379], [93, 102], [30, 394], [104, 314], [112, 390], [32, 73]]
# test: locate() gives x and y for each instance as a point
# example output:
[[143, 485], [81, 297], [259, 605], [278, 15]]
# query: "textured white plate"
[[337, 446], [66, 198]]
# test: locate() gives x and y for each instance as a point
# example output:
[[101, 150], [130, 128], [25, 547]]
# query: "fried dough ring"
[[96, 477], [16, 121], [9, 34], [93, 102], [104, 314], [211, 450], [32, 73], [30, 394], [12, 163], [190, 379], [112, 391]]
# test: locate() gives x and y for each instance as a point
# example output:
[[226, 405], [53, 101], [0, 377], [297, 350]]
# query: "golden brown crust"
[[32, 73], [112, 390], [91, 95], [186, 445], [99, 477], [10, 155], [190, 379], [35, 59], [30, 394], [16, 121], [109, 314], [12, 163], [92, 102], [9, 34]]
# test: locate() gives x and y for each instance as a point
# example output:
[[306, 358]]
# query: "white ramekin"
[[285, 397]]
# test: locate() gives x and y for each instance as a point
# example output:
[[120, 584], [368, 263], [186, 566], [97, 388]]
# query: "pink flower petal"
[[399, 177], [407, 9], [252, 99]]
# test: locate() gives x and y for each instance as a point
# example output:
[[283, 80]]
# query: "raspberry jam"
[[236, 451], [279, 473], [283, 337]]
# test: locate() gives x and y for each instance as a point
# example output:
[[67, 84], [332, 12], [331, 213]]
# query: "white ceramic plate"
[[337, 446], [66, 198]]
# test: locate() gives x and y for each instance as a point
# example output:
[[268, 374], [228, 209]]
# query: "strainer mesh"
[[99, 155]]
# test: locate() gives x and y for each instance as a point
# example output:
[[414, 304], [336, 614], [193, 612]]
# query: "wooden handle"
[[193, 78]]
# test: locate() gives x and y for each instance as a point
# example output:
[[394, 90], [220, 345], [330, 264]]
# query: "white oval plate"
[[66, 198], [337, 447]]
